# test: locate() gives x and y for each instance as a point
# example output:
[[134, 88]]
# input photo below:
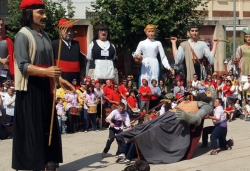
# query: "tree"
[[54, 12], [127, 19]]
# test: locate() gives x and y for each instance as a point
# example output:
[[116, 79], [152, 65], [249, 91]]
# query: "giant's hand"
[[169, 96], [180, 115], [66, 85], [52, 71]]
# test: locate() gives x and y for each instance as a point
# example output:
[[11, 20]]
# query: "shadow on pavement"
[[85, 163]]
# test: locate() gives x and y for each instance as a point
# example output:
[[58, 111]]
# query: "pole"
[[234, 31]]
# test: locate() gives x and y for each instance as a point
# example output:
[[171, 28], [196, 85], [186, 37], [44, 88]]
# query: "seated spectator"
[[247, 110], [230, 111], [189, 89], [201, 88], [178, 90], [236, 89], [132, 104]]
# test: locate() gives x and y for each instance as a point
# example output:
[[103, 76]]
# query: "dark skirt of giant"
[[32, 125]]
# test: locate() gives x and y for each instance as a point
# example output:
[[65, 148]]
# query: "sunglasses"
[[103, 31]]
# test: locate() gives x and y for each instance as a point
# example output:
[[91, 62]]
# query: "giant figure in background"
[[147, 51]]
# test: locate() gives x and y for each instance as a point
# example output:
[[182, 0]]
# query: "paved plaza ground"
[[82, 151]]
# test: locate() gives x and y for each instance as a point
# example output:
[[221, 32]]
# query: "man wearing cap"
[[191, 52], [72, 59], [6, 54], [34, 75], [74, 83]]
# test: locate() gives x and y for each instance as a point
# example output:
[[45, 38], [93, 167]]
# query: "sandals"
[[213, 152]]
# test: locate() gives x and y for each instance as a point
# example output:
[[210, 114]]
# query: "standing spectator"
[[6, 54], [9, 103], [218, 131], [230, 73], [124, 90], [227, 92], [156, 93], [91, 99], [178, 90], [116, 98], [71, 60], [74, 83], [163, 89], [145, 93], [99, 92], [81, 101], [72, 111], [60, 114]]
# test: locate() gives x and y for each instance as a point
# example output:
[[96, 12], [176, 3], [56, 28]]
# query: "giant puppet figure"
[[6, 55], [34, 75], [102, 55], [72, 59], [191, 52], [147, 51], [169, 138], [243, 54]]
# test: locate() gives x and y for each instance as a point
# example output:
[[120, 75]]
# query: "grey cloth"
[[21, 46], [195, 118], [162, 140], [3, 51]]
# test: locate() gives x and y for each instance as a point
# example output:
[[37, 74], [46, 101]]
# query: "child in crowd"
[[142, 114], [61, 114], [230, 111], [201, 88]]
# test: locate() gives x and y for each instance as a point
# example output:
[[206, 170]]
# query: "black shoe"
[[51, 166], [203, 146]]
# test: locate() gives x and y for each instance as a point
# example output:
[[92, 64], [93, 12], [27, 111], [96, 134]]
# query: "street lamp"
[[234, 31]]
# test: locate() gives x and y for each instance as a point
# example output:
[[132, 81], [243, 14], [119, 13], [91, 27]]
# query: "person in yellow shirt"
[[60, 93], [81, 90]]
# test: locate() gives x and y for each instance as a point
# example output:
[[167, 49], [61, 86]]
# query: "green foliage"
[[54, 12], [127, 19]]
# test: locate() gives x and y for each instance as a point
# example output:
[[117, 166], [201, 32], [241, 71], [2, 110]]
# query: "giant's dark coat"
[[33, 108], [162, 140]]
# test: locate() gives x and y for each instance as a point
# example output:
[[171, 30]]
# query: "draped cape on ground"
[[162, 140]]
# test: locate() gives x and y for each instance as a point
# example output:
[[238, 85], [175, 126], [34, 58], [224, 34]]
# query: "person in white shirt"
[[116, 119], [9, 103], [147, 50], [247, 110], [218, 131], [246, 87], [195, 81], [236, 89]]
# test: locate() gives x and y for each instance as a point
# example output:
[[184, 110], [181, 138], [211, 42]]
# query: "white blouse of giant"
[[150, 48]]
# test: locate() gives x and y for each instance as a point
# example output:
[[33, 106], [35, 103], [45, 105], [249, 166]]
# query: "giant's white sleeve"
[[164, 58], [127, 120], [207, 53], [89, 55], [179, 56], [138, 49]]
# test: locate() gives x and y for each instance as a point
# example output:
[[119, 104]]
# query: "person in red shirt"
[[145, 94], [209, 77], [115, 99], [124, 90], [227, 91], [132, 104], [230, 111]]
